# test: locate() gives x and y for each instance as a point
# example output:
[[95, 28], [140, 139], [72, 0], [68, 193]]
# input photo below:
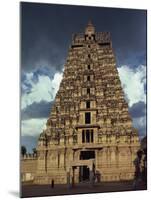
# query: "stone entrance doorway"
[[82, 168], [84, 173]]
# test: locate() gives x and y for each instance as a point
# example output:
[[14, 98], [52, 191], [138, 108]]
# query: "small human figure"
[[52, 183], [138, 169], [120, 176], [72, 181]]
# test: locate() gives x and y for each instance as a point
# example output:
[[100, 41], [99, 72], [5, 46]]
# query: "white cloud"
[[33, 127], [43, 89], [133, 81]]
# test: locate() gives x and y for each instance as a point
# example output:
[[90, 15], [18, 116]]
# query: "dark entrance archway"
[[84, 170], [86, 155]]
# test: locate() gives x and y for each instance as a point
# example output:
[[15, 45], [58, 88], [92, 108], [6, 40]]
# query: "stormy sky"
[[46, 31]]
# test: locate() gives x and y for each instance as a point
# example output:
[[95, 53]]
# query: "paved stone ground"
[[82, 188]]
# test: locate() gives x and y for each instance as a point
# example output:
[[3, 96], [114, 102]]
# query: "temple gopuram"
[[89, 132]]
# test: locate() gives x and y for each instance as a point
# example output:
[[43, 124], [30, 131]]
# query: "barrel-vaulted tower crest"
[[89, 130]]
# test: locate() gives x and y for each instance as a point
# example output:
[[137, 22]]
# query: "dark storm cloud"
[[25, 85], [140, 124], [43, 71], [37, 110], [138, 113], [138, 109], [142, 131], [46, 31]]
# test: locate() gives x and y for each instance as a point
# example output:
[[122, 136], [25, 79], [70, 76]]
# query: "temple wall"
[[28, 167]]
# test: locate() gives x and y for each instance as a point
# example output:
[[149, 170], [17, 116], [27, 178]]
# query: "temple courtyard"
[[80, 188]]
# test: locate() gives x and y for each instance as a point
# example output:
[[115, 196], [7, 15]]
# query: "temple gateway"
[[89, 132]]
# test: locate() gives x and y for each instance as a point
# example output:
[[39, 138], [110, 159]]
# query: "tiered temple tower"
[[89, 130]]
